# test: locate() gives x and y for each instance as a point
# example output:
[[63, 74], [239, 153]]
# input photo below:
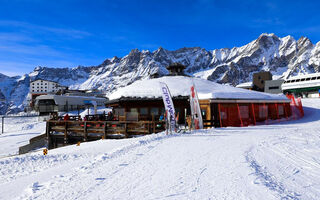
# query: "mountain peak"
[[134, 51], [304, 43], [267, 35]]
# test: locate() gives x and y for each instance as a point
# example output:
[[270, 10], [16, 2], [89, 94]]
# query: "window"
[[223, 115], [119, 111], [244, 111], [274, 88], [263, 111], [133, 109], [313, 78], [204, 113], [280, 110], [162, 110], [308, 79], [32, 90], [154, 111], [132, 116], [143, 111]]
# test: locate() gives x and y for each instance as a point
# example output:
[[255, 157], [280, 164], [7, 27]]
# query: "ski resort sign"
[[168, 103]]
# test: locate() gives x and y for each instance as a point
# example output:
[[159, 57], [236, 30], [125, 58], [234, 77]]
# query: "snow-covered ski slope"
[[279, 161], [17, 132]]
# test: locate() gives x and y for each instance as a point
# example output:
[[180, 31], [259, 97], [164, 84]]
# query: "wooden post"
[[253, 114], [85, 132], [125, 130], [65, 132], [105, 130], [153, 124], [48, 134]]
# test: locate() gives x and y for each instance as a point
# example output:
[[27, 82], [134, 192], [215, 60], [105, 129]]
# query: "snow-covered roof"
[[245, 85], [180, 86], [43, 80], [304, 76]]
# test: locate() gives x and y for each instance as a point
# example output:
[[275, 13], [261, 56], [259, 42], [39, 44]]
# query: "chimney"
[[176, 69]]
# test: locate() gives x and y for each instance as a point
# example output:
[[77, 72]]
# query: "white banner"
[[168, 103], [195, 109]]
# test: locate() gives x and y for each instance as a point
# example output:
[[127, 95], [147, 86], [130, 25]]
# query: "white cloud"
[[73, 33]]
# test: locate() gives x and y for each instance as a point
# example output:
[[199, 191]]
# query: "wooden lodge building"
[[221, 105], [138, 109]]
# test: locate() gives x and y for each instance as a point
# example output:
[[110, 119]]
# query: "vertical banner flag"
[[195, 109], [168, 103]]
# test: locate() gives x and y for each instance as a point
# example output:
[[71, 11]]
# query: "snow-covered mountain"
[[284, 57]]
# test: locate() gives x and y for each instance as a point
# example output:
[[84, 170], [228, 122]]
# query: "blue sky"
[[70, 33]]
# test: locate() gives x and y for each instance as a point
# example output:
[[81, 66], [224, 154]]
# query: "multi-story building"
[[43, 87]]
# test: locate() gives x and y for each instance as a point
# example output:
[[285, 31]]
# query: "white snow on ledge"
[[180, 86], [245, 85]]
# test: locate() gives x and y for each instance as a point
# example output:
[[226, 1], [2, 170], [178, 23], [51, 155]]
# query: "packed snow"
[[279, 161], [17, 132]]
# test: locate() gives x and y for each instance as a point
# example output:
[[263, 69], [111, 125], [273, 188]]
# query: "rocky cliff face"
[[284, 57]]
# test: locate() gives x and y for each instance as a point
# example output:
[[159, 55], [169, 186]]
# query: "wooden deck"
[[60, 133]]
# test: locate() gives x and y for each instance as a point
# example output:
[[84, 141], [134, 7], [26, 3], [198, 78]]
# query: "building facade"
[[44, 86], [221, 105], [259, 79], [303, 85], [273, 86]]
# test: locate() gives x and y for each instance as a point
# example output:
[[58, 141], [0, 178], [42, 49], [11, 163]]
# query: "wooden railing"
[[101, 129]]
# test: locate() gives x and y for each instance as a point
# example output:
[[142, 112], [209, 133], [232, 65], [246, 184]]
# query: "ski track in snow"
[[269, 180], [279, 161]]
